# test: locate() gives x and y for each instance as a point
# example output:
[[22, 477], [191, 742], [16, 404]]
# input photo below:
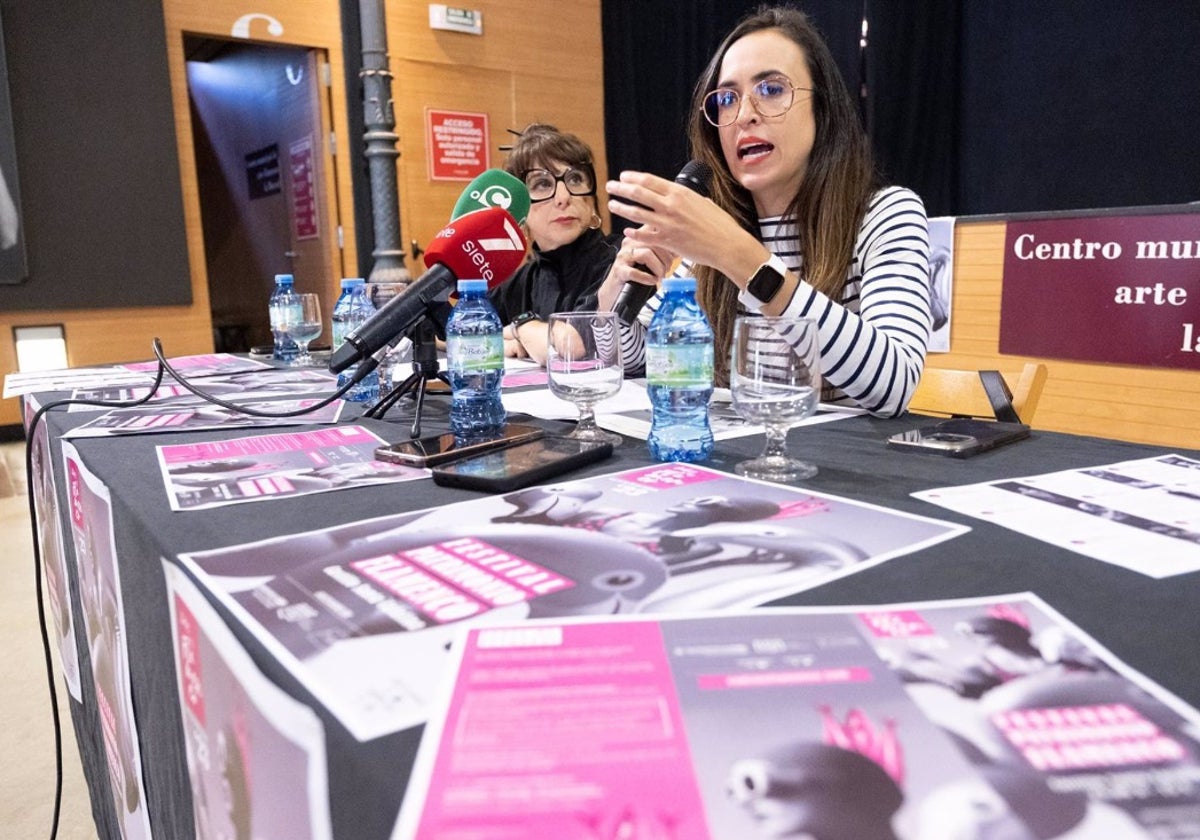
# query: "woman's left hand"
[[678, 220]]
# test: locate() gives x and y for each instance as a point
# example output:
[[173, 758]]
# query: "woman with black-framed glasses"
[[798, 222], [571, 255]]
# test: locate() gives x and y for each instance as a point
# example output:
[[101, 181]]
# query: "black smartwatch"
[[523, 318], [767, 281], [515, 323]]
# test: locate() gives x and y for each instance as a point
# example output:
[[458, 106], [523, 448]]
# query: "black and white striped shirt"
[[873, 340]]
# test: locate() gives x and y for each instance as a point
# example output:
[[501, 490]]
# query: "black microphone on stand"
[[697, 177]]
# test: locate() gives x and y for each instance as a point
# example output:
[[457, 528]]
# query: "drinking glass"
[[380, 292], [584, 366], [303, 324], [775, 380]]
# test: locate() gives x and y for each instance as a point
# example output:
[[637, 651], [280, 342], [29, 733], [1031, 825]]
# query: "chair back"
[[960, 393]]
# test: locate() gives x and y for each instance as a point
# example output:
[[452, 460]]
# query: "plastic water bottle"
[[475, 362], [679, 375], [283, 308], [352, 309]]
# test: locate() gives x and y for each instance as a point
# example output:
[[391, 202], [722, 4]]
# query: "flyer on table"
[[363, 612], [988, 717], [1142, 515], [202, 416], [252, 469]]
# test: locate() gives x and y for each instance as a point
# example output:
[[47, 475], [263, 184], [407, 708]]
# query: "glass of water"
[[304, 325], [583, 364], [775, 381]]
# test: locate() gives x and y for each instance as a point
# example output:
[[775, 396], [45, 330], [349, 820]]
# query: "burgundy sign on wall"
[[1122, 289]]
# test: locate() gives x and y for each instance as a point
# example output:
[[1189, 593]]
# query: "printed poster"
[[204, 416], [50, 545], [139, 373], [941, 281], [104, 622], [254, 469], [250, 746], [982, 718], [1142, 515], [363, 613], [269, 383]]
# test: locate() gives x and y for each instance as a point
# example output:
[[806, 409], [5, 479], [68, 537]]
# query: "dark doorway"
[[261, 162]]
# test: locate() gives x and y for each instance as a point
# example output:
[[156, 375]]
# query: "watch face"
[[765, 283]]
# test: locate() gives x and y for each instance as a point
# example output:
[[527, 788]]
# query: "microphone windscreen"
[[485, 243], [697, 176], [494, 188]]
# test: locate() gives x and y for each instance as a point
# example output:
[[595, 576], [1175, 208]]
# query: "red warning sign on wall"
[[457, 143]]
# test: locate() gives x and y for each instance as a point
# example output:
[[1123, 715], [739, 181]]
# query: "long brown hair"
[[833, 194]]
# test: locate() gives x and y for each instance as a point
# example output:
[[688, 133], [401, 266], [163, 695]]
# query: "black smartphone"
[[520, 466], [438, 449], [959, 438]]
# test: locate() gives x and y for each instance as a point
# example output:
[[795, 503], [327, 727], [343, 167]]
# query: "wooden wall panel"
[[1146, 405], [537, 60], [96, 337]]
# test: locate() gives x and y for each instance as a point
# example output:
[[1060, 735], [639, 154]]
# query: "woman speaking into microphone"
[[798, 224]]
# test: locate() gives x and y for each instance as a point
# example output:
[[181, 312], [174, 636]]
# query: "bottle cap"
[[679, 284], [351, 282], [478, 285], [284, 279]]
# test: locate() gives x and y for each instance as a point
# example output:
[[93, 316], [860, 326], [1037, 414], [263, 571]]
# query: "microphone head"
[[696, 176], [484, 243], [494, 188]]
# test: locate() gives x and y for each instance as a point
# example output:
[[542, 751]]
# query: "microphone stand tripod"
[[425, 367]]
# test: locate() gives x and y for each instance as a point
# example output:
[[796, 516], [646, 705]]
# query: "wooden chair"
[[949, 392]]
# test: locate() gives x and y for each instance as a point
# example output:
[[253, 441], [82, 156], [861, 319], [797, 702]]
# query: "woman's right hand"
[[633, 264]]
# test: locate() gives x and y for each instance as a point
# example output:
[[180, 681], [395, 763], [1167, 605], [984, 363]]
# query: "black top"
[[563, 280]]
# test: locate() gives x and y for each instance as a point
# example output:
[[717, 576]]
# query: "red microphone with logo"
[[486, 243]]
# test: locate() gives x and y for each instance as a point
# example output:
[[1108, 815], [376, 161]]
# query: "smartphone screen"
[[520, 466], [438, 449]]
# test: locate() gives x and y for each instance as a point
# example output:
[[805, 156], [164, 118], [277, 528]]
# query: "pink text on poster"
[[1118, 289], [304, 200], [458, 144]]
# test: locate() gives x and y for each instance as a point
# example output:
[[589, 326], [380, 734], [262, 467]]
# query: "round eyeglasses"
[[771, 97], [542, 184]]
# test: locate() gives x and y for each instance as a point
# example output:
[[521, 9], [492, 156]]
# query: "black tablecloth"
[[1150, 624]]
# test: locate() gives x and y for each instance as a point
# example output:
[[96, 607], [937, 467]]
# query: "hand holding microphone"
[[697, 177]]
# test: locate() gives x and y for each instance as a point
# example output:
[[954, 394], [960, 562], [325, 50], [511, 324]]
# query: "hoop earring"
[[597, 221]]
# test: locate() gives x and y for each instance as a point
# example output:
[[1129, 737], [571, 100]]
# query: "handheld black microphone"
[[697, 177], [486, 243]]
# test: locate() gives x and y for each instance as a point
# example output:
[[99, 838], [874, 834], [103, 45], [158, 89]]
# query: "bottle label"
[[475, 352], [341, 328], [680, 366]]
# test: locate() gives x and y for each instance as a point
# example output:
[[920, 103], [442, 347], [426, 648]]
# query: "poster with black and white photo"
[[363, 612], [980, 718], [941, 281], [250, 746], [50, 544], [1142, 515], [13, 268], [199, 415], [99, 576], [213, 473]]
